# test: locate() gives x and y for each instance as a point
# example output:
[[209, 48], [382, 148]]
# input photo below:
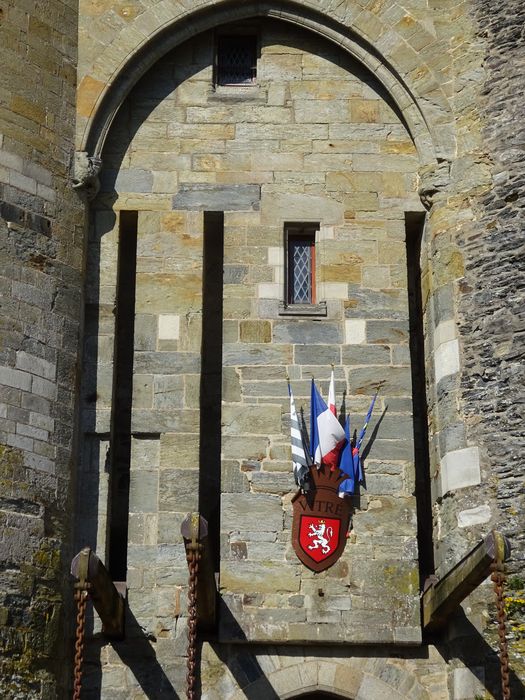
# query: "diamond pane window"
[[301, 264], [236, 60]]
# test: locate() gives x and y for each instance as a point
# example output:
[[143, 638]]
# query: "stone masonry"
[[41, 267], [375, 122]]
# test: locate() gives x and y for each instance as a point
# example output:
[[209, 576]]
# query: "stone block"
[[166, 363], [256, 332], [251, 512], [179, 449], [204, 197], [169, 327], [244, 447], [474, 516], [261, 577], [168, 391], [251, 419], [17, 379], [161, 293], [35, 365], [274, 482], [160, 421], [305, 332], [355, 331], [237, 354], [468, 683], [446, 359], [143, 391], [397, 380], [386, 332], [365, 354], [460, 468], [178, 490], [317, 355], [277, 207]]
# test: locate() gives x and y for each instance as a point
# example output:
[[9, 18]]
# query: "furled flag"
[[331, 394], [299, 455], [358, 467], [327, 437], [346, 465]]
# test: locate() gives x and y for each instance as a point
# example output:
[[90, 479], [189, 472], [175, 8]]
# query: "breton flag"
[[299, 457], [331, 394], [327, 437]]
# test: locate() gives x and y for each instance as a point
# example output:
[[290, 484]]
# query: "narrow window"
[[300, 251], [236, 59]]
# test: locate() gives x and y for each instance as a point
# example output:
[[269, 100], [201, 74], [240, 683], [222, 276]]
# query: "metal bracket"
[[108, 597]]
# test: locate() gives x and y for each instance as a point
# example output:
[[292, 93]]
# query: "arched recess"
[[433, 145], [351, 678]]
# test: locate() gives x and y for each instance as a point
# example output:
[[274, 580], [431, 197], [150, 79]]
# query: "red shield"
[[319, 537], [320, 520]]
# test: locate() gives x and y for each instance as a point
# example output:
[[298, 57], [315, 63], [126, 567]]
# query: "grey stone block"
[[317, 355], [387, 332], [307, 332], [251, 512], [168, 362], [203, 197], [365, 355]]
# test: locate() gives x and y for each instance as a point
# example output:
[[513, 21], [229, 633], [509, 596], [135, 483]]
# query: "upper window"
[[236, 59], [300, 268]]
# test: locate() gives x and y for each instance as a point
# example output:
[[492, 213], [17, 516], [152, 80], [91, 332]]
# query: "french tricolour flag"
[[327, 436]]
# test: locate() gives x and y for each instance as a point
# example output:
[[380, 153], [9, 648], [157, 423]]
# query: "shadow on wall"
[[136, 656], [471, 648]]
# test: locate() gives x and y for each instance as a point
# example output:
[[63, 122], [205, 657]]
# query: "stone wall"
[[303, 144], [41, 253]]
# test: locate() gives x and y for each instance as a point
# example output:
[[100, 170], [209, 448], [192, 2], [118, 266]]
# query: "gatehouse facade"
[[242, 196]]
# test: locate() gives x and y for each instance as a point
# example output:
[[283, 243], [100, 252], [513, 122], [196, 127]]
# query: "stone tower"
[[156, 298]]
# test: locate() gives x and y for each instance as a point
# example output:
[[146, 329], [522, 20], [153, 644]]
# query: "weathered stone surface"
[[251, 512], [217, 197]]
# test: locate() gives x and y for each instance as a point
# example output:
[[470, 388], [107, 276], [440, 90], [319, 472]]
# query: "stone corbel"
[[86, 170], [433, 179]]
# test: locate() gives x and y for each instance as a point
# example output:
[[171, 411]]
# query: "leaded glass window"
[[236, 60], [301, 264]]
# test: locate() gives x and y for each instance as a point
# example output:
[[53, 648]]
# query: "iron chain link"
[[193, 557], [498, 578], [81, 596]]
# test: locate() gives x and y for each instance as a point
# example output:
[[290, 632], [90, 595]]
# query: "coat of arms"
[[320, 520]]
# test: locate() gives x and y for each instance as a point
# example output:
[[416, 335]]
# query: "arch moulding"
[[433, 144]]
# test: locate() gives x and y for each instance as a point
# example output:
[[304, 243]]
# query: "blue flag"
[[346, 465]]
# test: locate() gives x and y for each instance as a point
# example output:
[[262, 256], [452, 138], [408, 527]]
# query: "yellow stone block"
[[398, 147], [256, 331], [89, 90], [364, 111], [28, 109]]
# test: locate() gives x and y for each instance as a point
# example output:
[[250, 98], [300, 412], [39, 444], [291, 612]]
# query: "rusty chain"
[[81, 596], [192, 556], [498, 578]]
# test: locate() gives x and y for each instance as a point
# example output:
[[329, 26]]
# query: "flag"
[[327, 437], [346, 465], [367, 421], [356, 456], [331, 394], [299, 456]]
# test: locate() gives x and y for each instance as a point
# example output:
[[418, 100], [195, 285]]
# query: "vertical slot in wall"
[[211, 377], [120, 449], [414, 226]]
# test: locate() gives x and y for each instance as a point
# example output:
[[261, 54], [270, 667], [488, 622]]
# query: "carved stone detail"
[[432, 180], [86, 170]]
